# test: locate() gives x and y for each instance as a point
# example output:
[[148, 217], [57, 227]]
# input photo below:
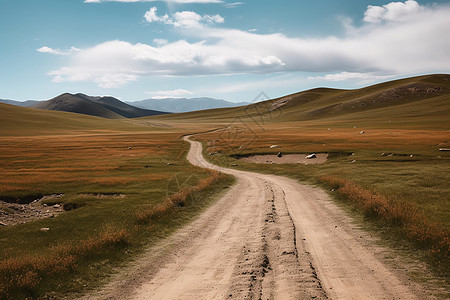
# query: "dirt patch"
[[319, 158], [17, 213]]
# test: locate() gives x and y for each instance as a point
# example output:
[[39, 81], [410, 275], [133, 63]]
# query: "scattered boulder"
[[129, 148], [170, 164], [362, 132], [279, 154], [444, 149], [274, 146], [311, 156], [57, 206], [2, 224], [44, 229], [235, 165]]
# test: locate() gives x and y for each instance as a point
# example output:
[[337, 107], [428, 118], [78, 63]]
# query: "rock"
[[44, 229], [311, 156], [235, 165], [57, 206], [129, 148], [212, 153], [170, 164], [353, 161], [444, 149], [279, 154], [362, 132], [274, 146], [2, 224]]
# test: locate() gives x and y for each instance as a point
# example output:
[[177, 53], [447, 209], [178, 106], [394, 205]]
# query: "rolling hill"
[[423, 99], [179, 105], [24, 121], [105, 107]]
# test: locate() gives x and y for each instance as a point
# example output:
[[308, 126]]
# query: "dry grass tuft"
[[397, 213], [21, 276], [176, 199]]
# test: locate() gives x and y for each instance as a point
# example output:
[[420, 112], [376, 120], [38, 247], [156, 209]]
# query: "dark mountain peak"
[[106, 107]]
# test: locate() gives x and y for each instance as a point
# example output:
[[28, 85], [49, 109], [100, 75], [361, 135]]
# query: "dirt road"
[[268, 237]]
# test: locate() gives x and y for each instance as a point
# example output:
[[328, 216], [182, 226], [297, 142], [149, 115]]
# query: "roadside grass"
[[405, 191], [105, 184]]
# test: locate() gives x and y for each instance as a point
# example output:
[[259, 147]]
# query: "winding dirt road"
[[268, 237]]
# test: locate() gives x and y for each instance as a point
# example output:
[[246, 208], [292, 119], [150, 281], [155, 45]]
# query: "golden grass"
[[30, 164], [177, 199], [20, 275], [401, 214]]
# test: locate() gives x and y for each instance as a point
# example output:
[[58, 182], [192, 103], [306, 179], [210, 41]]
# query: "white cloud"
[[411, 44], [170, 1], [49, 50], [233, 4], [394, 11], [349, 76], [160, 42], [151, 16], [187, 19], [170, 94]]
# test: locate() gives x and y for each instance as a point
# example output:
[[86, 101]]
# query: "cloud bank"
[[399, 38], [49, 50], [170, 94]]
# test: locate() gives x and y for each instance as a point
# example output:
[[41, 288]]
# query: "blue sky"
[[233, 50]]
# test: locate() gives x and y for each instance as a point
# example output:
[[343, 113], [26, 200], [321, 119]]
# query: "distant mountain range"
[[178, 105], [106, 107], [112, 108], [28, 103]]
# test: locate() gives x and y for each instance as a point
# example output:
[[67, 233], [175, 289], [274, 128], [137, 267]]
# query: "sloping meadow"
[[103, 184]]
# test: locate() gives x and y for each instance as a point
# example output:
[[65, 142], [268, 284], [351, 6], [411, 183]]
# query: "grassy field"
[[107, 180], [383, 143], [131, 185], [400, 174]]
